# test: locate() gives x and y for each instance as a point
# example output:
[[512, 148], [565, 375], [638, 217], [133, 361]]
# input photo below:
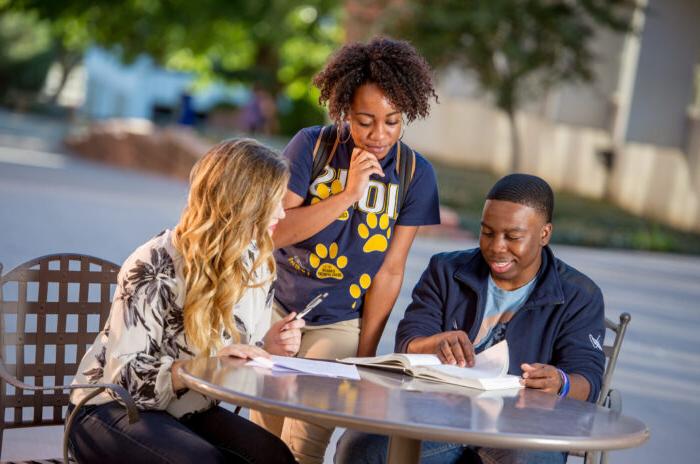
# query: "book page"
[[423, 360], [466, 372], [490, 363], [396, 359], [495, 358]]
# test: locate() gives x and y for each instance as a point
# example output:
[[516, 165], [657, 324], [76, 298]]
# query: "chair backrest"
[[51, 309], [611, 351]]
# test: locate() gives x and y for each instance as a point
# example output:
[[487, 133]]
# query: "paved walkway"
[[50, 203]]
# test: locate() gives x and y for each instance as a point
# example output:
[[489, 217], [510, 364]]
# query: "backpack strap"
[[324, 150], [405, 168]]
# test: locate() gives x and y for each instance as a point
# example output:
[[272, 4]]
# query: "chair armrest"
[[121, 392], [129, 404], [124, 396], [614, 401]]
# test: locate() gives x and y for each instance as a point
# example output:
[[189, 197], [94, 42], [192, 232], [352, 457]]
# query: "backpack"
[[327, 143]]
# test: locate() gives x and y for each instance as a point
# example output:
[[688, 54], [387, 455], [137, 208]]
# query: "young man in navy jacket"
[[512, 287]]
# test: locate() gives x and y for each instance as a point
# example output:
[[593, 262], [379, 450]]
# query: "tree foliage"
[[25, 55], [516, 48], [274, 43]]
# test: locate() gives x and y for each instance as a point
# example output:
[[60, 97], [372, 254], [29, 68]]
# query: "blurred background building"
[[622, 124], [632, 136]]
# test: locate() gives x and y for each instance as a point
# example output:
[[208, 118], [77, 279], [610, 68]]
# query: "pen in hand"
[[312, 304]]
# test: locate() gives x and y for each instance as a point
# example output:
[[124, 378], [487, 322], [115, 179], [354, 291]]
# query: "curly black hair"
[[395, 66]]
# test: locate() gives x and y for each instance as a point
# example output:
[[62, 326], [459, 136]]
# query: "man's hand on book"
[[451, 347]]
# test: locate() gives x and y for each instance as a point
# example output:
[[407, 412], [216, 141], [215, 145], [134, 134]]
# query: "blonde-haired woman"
[[202, 289]]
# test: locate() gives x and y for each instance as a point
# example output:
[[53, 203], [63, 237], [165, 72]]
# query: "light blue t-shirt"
[[501, 306]]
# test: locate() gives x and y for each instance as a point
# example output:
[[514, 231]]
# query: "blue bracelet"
[[565, 385]]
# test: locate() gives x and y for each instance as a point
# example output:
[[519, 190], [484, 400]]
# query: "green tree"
[[25, 57], [275, 44], [517, 49]]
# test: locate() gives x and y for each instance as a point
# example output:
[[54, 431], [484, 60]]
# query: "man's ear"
[[546, 234]]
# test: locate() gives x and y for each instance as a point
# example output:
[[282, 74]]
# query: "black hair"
[[525, 189], [395, 66]]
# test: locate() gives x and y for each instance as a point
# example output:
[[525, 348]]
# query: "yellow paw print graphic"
[[380, 240], [356, 289], [324, 192], [328, 270]]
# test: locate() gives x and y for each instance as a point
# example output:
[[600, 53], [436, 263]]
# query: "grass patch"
[[577, 220]]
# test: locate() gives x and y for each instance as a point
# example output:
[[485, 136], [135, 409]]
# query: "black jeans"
[[102, 434]]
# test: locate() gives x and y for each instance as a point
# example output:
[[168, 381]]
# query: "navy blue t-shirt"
[[343, 258]]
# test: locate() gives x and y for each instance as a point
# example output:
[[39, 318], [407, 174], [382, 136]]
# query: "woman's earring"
[[403, 128], [338, 129]]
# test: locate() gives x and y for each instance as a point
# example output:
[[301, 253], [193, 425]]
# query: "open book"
[[490, 371]]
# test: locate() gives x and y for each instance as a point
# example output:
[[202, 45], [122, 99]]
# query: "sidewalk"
[[72, 205]]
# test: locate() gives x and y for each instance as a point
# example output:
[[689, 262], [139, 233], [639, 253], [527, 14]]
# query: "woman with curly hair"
[[201, 289], [347, 233]]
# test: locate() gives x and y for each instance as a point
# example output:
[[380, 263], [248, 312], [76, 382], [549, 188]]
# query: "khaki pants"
[[308, 441]]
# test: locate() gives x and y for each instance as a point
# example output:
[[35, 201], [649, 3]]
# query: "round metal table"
[[410, 410]]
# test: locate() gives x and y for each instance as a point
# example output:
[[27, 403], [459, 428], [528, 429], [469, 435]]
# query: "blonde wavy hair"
[[234, 190]]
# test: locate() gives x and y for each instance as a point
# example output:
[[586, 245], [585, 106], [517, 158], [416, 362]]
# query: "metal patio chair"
[[51, 309], [608, 397]]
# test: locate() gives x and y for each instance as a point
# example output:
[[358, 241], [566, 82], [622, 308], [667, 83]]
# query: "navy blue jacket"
[[562, 323]]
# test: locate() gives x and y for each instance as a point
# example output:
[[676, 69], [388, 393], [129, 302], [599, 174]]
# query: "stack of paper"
[[306, 366]]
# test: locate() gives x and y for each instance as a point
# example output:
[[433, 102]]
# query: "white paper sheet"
[[307, 366]]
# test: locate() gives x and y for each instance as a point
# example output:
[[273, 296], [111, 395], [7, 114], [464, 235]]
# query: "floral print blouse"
[[144, 333]]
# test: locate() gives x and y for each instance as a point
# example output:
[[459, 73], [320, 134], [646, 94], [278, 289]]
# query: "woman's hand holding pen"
[[284, 336]]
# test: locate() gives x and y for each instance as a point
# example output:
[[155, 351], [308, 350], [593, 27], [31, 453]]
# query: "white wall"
[[591, 104], [664, 82], [656, 172], [652, 181]]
